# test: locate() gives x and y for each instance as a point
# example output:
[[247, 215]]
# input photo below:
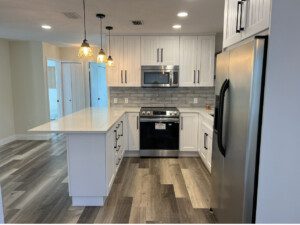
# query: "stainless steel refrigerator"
[[240, 74]]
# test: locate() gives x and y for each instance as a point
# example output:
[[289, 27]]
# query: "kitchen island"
[[96, 143], [96, 140]]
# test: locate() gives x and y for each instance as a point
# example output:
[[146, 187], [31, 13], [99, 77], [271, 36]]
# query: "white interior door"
[[98, 85], [78, 87], [67, 88]]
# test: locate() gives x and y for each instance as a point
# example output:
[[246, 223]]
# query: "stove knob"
[[175, 113], [143, 113], [148, 113], [171, 114]]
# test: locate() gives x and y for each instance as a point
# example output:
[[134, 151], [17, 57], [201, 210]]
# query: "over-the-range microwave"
[[160, 76]]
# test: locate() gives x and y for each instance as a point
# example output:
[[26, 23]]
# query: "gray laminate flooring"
[[33, 176]]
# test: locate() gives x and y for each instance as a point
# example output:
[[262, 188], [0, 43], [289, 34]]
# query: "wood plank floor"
[[33, 176]]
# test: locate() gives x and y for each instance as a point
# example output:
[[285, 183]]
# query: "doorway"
[[54, 89], [98, 85]]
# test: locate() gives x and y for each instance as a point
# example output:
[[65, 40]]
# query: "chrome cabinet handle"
[[161, 55], [157, 54], [116, 139], [237, 26], [242, 28], [126, 76], [122, 123], [205, 138], [198, 76], [122, 76], [181, 123], [194, 76], [137, 122]]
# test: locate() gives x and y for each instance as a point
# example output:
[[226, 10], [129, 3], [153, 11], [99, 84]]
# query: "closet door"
[[67, 89], [78, 90]]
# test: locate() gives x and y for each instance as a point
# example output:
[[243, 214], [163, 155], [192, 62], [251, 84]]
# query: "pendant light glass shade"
[[110, 60], [85, 50], [101, 58]]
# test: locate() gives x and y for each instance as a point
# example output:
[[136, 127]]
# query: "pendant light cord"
[[83, 1], [101, 32], [109, 41]]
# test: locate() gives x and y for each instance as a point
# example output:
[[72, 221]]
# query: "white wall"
[[29, 87], [7, 129], [279, 173]]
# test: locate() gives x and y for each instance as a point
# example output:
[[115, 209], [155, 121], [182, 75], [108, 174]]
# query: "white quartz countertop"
[[89, 120], [98, 120]]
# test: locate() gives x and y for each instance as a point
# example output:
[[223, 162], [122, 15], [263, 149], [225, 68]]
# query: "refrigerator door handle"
[[223, 90]]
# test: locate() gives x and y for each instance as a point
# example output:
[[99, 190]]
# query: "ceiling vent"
[[137, 22], [71, 15]]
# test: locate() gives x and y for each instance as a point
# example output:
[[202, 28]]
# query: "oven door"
[[159, 134], [156, 78]]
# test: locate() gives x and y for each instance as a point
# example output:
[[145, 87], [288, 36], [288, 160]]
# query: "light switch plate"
[[126, 100], [195, 100], [115, 100]]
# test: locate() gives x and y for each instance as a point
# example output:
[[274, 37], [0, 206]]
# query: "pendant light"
[[85, 49], [110, 60], [101, 58]]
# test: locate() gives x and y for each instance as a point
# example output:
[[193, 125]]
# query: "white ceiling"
[[21, 19]]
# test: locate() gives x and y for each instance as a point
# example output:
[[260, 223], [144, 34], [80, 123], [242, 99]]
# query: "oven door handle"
[[160, 120]]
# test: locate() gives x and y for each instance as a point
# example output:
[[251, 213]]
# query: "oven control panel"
[[159, 112]]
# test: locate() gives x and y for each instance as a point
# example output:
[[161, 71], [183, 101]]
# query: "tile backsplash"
[[178, 97]]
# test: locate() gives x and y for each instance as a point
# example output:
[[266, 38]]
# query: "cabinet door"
[[209, 152], [188, 61], [115, 73], [169, 50], [205, 61], [110, 159], [257, 16], [231, 17], [133, 132], [189, 132], [150, 50], [132, 61]]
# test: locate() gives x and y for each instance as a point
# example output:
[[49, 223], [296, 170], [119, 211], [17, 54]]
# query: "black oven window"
[[156, 78]]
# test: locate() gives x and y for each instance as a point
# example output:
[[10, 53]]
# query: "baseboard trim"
[[7, 140], [181, 154]]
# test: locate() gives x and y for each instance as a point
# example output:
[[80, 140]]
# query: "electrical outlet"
[[115, 100], [195, 100], [126, 100]]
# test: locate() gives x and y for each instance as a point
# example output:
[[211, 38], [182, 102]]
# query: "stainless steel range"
[[159, 132]]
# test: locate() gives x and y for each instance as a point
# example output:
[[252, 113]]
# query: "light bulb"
[[101, 58], [85, 50], [110, 61]]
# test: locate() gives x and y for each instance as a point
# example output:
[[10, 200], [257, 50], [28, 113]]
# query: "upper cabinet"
[[160, 50], [197, 56], [126, 70], [245, 18]]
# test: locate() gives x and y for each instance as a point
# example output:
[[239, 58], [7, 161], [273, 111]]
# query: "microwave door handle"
[[223, 90], [157, 55], [161, 55]]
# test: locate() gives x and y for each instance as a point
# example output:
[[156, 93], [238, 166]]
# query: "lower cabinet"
[[133, 131], [189, 131], [205, 146]]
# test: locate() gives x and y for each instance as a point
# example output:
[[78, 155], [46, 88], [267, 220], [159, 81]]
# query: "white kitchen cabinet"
[[189, 131], [114, 71], [197, 55], [160, 50], [133, 131], [244, 18], [126, 70], [205, 147], [110, 158]]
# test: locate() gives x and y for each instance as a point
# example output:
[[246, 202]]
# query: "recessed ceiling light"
[[182, 14], [177, 26], [46, 27]]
